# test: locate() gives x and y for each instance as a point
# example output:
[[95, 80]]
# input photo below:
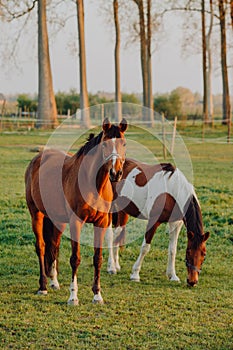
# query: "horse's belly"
[[50, 199]]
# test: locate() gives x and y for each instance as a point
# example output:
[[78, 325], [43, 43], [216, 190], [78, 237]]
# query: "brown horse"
[[74, 189], [160, 194]]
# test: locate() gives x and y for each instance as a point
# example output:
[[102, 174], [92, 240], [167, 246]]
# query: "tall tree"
[[118, 107], [143, 49], [84, 104], [225, 83], [209, 66], [145, 34], [150, 104], [12, 10], [47, 110], [204, 62]]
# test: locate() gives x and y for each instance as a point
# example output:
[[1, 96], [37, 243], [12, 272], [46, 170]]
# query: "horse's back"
[[145, 183]]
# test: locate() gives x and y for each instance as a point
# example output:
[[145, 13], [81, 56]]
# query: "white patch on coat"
[[162, 182]]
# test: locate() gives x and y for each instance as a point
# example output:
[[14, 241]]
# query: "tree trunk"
[[209, 69], [118, 107], [149, 65], [204, 64], [226, 97], [143, 49], [84, 104], [47, 110]]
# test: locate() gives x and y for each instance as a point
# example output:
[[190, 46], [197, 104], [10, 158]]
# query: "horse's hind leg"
[[113, 249], [113, 246], [174, 230], [111, 267], [37, 226], [75, 259], [58, 229]]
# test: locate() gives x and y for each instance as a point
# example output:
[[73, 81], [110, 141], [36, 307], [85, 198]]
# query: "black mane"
[[93, 140], [193, 219]]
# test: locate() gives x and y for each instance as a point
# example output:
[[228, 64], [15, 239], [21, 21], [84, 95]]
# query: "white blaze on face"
[[114, 152]]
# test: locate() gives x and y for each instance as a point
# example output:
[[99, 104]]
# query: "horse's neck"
[[193, 217], [93, 172]]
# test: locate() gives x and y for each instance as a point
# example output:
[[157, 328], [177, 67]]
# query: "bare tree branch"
[[15, 15]]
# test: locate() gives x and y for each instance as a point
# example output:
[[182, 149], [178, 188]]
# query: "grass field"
[[152, 314]]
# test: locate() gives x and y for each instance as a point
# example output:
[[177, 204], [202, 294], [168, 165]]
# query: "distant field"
[[152, 314]]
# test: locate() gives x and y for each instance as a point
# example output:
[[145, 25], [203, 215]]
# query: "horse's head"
[[195, 256], [114, 148]]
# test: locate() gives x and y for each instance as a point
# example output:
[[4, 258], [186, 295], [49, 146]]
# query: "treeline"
[[140, 22], [69, 103], [180, 102]]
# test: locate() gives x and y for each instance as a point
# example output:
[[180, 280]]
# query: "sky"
[[170, 68]]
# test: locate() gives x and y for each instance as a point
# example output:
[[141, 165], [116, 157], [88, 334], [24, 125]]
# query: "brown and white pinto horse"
[[161, 194], [74, 189]]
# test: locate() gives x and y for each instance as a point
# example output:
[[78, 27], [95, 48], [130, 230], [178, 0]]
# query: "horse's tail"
[[51, 249]]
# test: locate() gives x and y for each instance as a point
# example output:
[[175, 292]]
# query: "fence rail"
[[192, 132]]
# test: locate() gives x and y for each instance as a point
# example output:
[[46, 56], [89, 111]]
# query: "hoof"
[[112, 272], [174, 279], [135, 278], [42, 292], [118, 268], [97, 299], [54, 286], [72, 302]]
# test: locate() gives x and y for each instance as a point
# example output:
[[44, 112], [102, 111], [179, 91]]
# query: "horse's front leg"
[[174, 230], [145, 248], [97, 261], [75, 259]]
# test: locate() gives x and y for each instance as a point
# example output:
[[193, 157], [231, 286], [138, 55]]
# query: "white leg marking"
[[116, 248], [73, 299], [53, 276], [42, 292], [111, 268], [145, 248], [98, 299], [174, 230], [116, 257]]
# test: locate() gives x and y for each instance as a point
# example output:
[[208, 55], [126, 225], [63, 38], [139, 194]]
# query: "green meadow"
[[152, 314]]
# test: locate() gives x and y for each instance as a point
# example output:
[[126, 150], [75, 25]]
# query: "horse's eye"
[[124, 144]]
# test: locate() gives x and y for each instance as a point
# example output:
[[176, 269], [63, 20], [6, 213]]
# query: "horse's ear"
[[206, 236], [123, 125], [106, 125], [190, 235]]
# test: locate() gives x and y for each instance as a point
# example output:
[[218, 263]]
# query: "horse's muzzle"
[[115, 177], [191, 283]]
